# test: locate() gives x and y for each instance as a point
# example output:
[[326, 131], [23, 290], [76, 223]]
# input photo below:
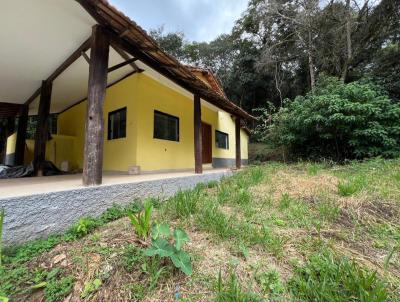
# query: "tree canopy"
[[278, 48]]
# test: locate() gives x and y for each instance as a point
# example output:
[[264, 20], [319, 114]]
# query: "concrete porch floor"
[[19, 187]]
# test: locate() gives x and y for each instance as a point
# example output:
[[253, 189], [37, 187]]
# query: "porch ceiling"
[[37, 36]]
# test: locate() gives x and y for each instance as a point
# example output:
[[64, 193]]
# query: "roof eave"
[[126, 32]]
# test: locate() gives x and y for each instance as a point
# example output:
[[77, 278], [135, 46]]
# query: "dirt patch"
[[297, 185]]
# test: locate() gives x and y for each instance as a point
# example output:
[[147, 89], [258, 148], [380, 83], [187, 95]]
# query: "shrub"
[[338, 121]]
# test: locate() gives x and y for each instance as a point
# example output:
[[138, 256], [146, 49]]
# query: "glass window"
[[221, 140], [117, 124], [166, 126]]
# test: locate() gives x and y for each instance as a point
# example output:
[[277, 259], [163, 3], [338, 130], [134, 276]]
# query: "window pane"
[[221, 140], [117, 124], [166, 126]]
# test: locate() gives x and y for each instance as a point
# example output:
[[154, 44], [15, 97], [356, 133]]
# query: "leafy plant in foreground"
[[162, 247], [141, 221]]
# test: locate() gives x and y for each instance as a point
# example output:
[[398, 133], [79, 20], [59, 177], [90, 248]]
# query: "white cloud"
[[200, 20]]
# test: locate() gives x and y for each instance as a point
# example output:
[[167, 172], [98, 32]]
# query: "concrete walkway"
[[38, 185]]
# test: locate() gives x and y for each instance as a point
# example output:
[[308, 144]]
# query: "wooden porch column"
[[21, 135], [42, 126], [94, 130], [198, 149], [238, 147]]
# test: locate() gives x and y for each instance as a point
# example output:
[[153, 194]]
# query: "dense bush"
[[339, 121]]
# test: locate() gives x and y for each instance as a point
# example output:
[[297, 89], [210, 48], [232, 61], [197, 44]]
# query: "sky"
[[199, 20]]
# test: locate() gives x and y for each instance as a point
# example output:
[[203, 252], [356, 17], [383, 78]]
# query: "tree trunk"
[[348, 42], [311, 62]]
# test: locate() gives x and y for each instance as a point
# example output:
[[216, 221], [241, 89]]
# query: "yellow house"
[[141, 101], [142, 110]]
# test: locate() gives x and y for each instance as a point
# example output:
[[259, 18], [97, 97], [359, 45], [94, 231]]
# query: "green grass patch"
[[326, 277], [351, 186], [231, 291]]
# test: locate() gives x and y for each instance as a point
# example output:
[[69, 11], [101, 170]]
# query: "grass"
[[279, 232], [326, 276]]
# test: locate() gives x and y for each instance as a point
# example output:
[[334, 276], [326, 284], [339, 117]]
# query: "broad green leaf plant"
[[161, 245]]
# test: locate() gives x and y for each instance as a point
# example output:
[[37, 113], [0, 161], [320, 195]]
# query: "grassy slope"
[[301, 232]]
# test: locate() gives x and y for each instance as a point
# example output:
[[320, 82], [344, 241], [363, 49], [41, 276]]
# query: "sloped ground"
[[301, 232]]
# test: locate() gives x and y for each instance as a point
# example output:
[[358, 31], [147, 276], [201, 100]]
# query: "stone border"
[[38, 216]]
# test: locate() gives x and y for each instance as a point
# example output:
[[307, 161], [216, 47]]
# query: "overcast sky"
[[200, 20]]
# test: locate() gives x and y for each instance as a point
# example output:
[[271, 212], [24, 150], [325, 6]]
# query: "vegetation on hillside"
[[298, 232], [337, 121]]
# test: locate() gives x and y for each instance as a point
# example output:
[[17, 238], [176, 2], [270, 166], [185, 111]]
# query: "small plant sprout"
[[141, 221], [162, 247]]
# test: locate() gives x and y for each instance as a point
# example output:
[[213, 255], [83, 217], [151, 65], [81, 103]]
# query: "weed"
[[212, 220], [184, 203], [270, 283], [285, 201], [90, 287], [162, 247], [242, 197], [113, 213], [57, 286], [313, 169], [326, 277], [142, 220], [154, 270], [212, 184], [224, 193], [231, 291], [351, 186], [138, 291], [328, 211], [132, 257], [83, 227]]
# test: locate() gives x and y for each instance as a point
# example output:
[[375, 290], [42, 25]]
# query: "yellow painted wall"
[[142, 95], [58, 149], [11, 142]]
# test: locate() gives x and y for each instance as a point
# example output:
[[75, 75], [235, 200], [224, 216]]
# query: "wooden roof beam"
[[68, 62], [126, 57], [120, 65]]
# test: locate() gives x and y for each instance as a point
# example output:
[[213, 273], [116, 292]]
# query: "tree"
[[338, 121]]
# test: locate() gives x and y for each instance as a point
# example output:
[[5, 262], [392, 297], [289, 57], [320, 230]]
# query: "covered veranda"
[[62, 52]]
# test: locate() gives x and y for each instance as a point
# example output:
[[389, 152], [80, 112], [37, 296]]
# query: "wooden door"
[[207, 143]]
